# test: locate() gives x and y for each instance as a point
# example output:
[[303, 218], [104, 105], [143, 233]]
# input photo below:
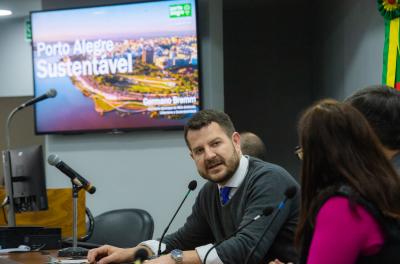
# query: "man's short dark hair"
[[252, 145], [380, 105], [205, 117]]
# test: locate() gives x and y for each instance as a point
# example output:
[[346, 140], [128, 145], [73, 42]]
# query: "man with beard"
[[238, 189]]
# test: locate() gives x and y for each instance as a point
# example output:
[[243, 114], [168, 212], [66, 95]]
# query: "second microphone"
[[55, 161]]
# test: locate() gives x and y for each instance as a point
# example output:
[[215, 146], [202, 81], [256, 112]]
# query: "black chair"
[[120, 228]]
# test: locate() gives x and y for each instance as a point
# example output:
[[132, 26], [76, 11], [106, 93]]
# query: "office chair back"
[[122, 228]]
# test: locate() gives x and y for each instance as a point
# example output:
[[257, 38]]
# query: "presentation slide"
[[128, 66]]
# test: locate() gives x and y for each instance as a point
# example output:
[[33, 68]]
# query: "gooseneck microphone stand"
[[7, 172], [74, 251], [8, 179]]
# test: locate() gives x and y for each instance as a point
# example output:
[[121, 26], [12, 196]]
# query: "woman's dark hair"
[[340, 148], [380, 105]]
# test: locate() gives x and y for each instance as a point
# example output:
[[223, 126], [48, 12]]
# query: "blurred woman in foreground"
[[350, 207]]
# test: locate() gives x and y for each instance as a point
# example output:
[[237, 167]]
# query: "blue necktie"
[[224, 194]]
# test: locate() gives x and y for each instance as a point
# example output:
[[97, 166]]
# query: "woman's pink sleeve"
[[342, 235]]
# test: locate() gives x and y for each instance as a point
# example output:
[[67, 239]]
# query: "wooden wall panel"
[[59, 213]]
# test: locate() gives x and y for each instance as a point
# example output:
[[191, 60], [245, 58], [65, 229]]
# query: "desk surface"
[[28, 257], [40, 257]]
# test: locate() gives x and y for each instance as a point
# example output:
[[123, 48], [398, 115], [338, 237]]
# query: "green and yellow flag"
[[390, 10]]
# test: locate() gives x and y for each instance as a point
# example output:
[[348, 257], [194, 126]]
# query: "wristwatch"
[[177, 255]]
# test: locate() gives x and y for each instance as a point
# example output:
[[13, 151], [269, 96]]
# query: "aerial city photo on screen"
[[118, 66]]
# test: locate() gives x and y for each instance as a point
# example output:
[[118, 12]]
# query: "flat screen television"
[[116, 67]]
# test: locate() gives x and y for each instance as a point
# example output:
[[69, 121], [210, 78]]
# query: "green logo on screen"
[[180, 10]]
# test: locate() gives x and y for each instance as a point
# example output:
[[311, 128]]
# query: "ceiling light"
[[5, 12]]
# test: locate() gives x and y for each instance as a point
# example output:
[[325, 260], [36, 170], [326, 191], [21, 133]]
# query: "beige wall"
[[22, 130]]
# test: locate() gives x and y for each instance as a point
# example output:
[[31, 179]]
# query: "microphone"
[[266, 212], [192, 185], [49, 94], [77, 179], [140, 256], [289, 194]]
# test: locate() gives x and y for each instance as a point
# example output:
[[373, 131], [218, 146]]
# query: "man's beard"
[[231, 166]]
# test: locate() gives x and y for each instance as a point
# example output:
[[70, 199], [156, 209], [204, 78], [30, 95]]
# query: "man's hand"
[[109, 254]]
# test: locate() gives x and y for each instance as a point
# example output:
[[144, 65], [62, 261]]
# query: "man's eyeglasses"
[[299, 152]]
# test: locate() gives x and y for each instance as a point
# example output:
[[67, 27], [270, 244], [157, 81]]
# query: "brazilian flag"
[[390, 10]]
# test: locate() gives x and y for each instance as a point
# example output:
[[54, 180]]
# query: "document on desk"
[[70, 261]]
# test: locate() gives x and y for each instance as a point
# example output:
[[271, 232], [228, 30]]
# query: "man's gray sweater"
[[264, 185]]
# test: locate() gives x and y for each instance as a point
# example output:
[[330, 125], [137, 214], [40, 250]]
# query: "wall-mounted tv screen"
[[116, 67]]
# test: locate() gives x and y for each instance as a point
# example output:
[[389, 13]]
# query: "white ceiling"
[[20, 8]]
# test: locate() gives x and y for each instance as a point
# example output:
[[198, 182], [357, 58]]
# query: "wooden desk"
[[40, 257], [28, 258]]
